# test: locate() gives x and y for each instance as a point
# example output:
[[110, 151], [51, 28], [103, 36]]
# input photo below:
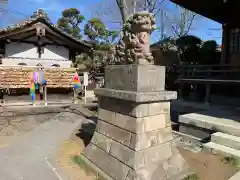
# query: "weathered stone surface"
[[140, 159], [101, 141], [95, 169], [106, 115], [133, 138], [129, 123], [152, 123], [154, 171], [158, 107], [123, 153], [113, 132], [135, 77], [110, 165], [142, 124], [175, 167], [133, 109], [150, 139], [137, 96]]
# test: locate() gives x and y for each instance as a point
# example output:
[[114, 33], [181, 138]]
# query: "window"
[[39, 64], [55, 65], [22, 64]]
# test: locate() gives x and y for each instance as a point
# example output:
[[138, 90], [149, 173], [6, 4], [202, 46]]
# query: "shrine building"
[[37, 41]]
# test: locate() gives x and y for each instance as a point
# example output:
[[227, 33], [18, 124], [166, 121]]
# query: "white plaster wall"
[[55, 52], [23, 50], [34, 62], [26, 53]]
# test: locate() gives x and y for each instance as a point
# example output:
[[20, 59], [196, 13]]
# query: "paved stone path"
[[27, 158]]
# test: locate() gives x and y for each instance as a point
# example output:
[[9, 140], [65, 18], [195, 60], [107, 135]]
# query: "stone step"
[[220, 149], [226, 140], [225, 121]]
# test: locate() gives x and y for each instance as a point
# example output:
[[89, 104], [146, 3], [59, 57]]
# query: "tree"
[[100, 36], [93, 63], [120, 10], [209, 53], [171, 22], [180, 21], [188, 49], [70, 21]]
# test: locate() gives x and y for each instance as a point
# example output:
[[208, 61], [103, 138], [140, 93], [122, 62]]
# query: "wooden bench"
[[207, 82]]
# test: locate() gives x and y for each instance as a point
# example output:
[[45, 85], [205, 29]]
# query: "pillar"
[[133, 139], [225, 44]]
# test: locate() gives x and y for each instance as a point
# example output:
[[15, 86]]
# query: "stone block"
[[158, 107], [102, 141], [150, 139], [140, 110], [138, 97], [194, 131], [106, 115], [142, 124], [108, 164], [175, 167], [116, 105], [140, 159], [133, 109], [129, 123], [123, 153], [151, 172], [152, 123], [114, 132], [96, 170], [135, 77]]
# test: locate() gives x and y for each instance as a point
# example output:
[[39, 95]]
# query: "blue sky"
[[19, 10]]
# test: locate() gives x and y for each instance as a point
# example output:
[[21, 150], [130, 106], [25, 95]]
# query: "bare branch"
[[190, 25]]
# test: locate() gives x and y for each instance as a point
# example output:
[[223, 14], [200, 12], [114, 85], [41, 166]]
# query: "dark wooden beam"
[[51, 39], [214, 9], [35, 42], [39, 47], [26, 37], [24, 41]]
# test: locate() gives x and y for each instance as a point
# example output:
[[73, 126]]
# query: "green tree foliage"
[[70, 21], [209, 53], [93, 63], [99, 35], [192, 50], [188, 49]]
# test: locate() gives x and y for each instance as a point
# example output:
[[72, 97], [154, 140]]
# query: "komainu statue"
[[134, 47]]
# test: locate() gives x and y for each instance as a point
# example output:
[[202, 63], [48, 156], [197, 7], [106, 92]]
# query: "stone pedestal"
[[133, 138]]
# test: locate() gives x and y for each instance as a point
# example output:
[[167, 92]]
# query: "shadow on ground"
[[86, 132]]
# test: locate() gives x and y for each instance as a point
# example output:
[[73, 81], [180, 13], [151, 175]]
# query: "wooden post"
[[225, 44], [45, 94], [73, 95], [207, 95], [181, 91]]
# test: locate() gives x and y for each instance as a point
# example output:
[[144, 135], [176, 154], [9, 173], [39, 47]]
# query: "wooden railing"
[[209, 71], [207, 75]]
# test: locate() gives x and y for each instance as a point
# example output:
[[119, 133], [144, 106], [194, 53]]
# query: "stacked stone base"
[[133, 141]]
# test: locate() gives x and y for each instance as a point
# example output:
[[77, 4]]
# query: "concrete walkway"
[[27, 158]]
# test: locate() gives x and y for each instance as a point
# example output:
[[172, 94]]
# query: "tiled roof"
[[40, 15]]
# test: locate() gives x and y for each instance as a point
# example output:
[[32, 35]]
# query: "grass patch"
[[88, 170], [233, 161], [192, 177]]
